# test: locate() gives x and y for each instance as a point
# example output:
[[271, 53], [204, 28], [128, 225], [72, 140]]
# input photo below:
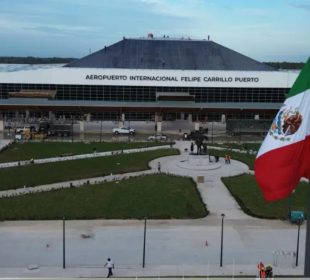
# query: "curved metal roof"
[[181, 54]]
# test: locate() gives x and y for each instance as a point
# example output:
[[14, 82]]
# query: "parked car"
[[195, 135], [123, 130], [157, 137]]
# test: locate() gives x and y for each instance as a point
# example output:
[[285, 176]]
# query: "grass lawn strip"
[[34, 175], [74, 183], [157, 196], [249, 196], [38, 150], [77, 157]]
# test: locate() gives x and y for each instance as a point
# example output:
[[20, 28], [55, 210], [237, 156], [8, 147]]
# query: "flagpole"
[[307, 253]]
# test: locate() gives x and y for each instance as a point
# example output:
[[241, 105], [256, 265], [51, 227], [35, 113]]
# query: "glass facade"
[[148, 94]]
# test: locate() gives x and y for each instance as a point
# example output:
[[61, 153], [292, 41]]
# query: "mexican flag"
[[284, 157]]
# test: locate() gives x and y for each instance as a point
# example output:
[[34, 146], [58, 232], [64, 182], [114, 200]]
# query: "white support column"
[[88, 117], [121, 123], [159, 127], [223, 119], [197, 124], [158, 123], [1, 124], [27, 116], [51, 116], [190, 118], [82, 126]]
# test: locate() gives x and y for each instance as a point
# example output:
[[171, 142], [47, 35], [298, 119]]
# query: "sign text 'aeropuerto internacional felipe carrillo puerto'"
[[197, 79], [167, 78]]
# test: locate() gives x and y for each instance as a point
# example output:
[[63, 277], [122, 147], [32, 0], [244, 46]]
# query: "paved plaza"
[[173, 247]]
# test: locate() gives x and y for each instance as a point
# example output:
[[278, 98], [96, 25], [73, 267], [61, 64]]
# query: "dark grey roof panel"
[[169, 54]]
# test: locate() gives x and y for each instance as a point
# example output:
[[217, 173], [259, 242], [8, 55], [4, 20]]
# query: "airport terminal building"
[[148, 79]]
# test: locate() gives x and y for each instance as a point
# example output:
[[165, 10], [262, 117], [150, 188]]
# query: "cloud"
[[179, 9], [304, 6], [253, 12], [60, 29]]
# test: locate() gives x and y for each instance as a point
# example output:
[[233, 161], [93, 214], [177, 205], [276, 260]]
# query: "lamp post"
[[290, 204], [144, 240], [71, 129], [307, 252], [222, 235], [297, 248], [212, 132], [101, 130], [63, 242]]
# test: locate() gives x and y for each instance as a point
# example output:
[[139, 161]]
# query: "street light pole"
[[144, 240], [212, 132], [101, 130], [307, 253], [222, 235], [290, 204], [297, 248], [63, 242], [72, 129]]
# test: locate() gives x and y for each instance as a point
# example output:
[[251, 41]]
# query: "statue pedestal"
[[199, 162]]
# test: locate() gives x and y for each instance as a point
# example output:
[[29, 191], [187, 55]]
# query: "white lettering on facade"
[[247, 79], [106, 77], [185, 79]]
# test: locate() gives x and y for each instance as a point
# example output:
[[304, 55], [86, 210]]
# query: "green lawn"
[[245, 158], [36, 150], [246, 191], [39, 174], [157, 196]]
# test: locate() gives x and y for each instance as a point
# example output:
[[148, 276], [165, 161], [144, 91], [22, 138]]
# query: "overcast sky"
[[266, 30]]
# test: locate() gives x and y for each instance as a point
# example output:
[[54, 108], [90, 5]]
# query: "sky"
[[265, 30]]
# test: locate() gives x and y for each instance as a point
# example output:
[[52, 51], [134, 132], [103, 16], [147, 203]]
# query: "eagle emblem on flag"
[[286, 123]]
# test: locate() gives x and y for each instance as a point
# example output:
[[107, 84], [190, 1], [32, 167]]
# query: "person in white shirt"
[[110, 265]]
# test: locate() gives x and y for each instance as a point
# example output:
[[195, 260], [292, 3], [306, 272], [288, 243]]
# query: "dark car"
[[195, 135]]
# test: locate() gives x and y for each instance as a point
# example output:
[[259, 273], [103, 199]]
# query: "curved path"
[[213, 192]]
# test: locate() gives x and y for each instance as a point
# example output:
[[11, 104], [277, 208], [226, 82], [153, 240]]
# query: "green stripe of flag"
[[302, 83]]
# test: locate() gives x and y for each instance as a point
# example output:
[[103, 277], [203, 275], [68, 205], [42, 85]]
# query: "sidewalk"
[[162, 271]]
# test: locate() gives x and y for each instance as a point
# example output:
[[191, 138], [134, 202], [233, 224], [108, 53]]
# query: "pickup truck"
[[124, 130]]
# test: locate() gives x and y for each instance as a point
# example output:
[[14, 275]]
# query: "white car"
[[123, 130], [157, 138]]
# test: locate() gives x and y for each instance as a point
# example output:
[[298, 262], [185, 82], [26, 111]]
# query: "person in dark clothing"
[[110, 265]]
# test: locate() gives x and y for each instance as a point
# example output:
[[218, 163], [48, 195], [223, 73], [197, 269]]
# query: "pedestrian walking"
[[268, 270], [192, 147], [110, 265], [159, 167], [226, 159], [261, 270]]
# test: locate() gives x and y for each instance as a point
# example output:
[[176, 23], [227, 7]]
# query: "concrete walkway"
[[213, 192], [4, 143]]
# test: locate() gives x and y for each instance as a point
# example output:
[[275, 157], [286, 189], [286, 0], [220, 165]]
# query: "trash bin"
[[297, 217]]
